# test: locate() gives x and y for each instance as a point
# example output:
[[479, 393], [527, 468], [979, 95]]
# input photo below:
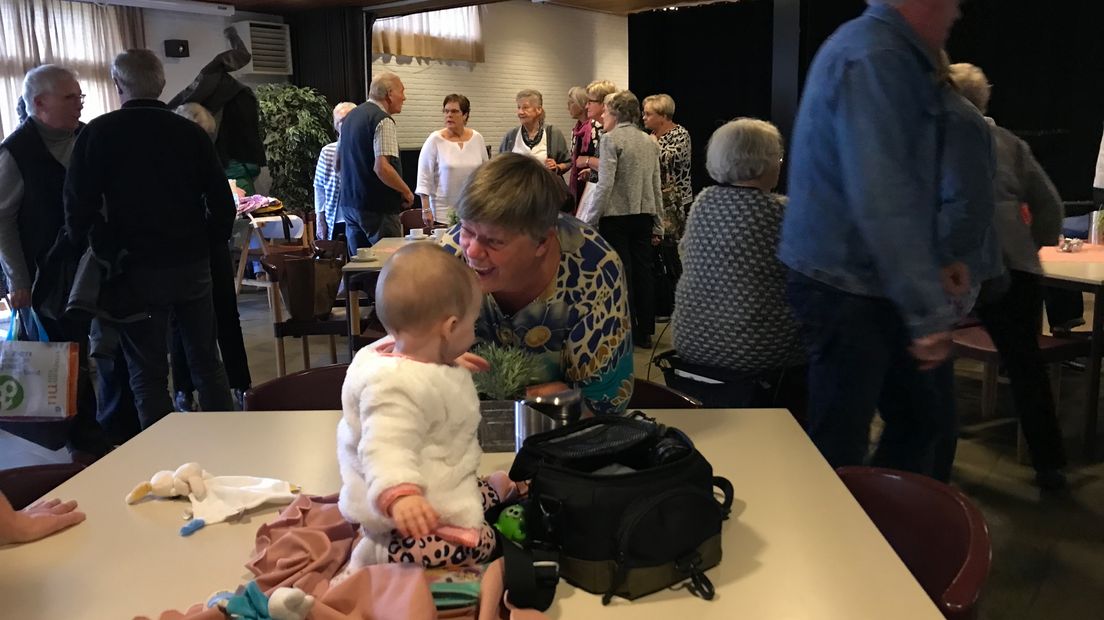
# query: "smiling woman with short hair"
[[552, 286]]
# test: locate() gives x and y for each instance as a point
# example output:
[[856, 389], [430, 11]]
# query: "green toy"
[[511, 522]]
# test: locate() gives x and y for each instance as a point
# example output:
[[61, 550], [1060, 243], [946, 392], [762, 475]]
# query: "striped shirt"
[[327, 186]]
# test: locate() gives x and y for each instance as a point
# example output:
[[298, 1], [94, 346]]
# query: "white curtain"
[[79, 35], [451, 34]]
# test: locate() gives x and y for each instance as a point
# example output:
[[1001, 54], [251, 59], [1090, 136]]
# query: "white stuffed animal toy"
[[289, 604], [214, 498], [186, 480]]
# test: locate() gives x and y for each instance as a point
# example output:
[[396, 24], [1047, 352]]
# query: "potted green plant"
[[296, 125], [512, 370]]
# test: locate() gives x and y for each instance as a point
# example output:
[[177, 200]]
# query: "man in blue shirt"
[[868, 279]]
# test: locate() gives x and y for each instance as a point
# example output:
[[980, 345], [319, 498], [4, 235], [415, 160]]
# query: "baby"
[[407, 444]]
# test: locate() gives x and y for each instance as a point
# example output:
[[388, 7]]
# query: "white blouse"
[[444, 166]]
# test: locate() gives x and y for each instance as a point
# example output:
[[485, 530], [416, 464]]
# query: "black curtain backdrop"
[[328, 51], [1045, 60], [714, 60]]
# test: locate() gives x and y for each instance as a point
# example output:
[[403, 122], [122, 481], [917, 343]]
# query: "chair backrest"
[[650, 395], [306, 390], [23, 485], [936, 531], [411, 219]]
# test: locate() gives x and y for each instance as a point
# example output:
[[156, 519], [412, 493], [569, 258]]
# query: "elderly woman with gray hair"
[[534, 137], [674, 162], [1012, 319], [731, 318], [552, 286], [627, 201]]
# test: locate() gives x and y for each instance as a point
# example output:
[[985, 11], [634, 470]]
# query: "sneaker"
[[184, 402], [239, 399]]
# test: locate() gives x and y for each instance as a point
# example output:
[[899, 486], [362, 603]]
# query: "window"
[[452, 34], [81, 36]]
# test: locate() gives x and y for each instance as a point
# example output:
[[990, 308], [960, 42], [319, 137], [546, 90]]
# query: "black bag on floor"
[[617, 506]]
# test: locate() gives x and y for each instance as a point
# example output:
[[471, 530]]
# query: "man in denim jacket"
[[867, 280]]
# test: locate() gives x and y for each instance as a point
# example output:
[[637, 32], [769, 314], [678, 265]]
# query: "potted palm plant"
[[296, 125]]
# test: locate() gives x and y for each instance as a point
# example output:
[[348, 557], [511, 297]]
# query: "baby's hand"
[[414, 516]]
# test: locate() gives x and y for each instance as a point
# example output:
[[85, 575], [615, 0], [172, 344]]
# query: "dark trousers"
[[184, 293], [858, 362], [117, 413], [631, 237], [1013, 323], [369, 227], [1062, 306], [227, 328]]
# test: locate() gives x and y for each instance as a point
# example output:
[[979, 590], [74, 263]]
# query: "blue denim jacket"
[[864, 182], [966, 215]]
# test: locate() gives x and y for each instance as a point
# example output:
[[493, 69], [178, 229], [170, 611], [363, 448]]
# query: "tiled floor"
[[1048, 551]]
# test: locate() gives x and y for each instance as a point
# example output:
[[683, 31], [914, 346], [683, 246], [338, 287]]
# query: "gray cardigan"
[[628, 176], [554, 141], [1019, 180]]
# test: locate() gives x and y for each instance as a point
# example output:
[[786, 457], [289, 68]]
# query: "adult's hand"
[[20, 298], [473, 362], [552, 165], [956, 279], [931, 350], [546, 389], [407, 199], [37, 521]]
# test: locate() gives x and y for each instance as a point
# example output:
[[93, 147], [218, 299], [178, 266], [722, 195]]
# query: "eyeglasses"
[[74, 98], [594, 101]]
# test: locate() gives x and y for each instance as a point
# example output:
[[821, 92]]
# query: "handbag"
[[617, 506], [38, 378], [587, 210]]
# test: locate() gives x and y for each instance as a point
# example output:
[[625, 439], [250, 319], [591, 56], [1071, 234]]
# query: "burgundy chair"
[[23, 485], [306, 390], [936, 531], [651, 395]]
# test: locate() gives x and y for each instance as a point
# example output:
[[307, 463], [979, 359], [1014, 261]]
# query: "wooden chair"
[[650, 395], [23, 485], [974, 343], [411, 219], [274, 266], [306, 390], [936, 531]]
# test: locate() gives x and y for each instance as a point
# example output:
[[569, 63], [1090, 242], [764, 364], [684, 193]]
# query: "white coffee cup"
[[365, 253], [438, 233]]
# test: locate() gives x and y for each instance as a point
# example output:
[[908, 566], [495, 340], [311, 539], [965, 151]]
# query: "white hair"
[[382, 84], [42, 80], [139, 74], [200, 116], [624, 106], [743, 150], [971, 83]]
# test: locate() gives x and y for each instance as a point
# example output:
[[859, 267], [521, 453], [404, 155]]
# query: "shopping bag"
[[587, 209], [37, 378]]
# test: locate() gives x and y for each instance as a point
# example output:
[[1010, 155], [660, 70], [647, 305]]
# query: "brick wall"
[[527, 45]]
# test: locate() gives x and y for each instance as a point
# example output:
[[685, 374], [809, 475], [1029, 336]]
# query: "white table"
[[797, 547], [1086, 275]]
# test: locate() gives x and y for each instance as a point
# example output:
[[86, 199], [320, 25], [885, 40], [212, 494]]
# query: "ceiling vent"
[[270, 45]]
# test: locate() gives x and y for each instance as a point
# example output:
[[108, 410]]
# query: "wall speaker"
[[176, 48]]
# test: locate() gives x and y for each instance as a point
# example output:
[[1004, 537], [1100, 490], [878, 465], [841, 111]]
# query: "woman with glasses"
[[552, 286], [585, 168], [449, 156]]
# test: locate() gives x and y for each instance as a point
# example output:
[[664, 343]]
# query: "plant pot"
[[496, 429]]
